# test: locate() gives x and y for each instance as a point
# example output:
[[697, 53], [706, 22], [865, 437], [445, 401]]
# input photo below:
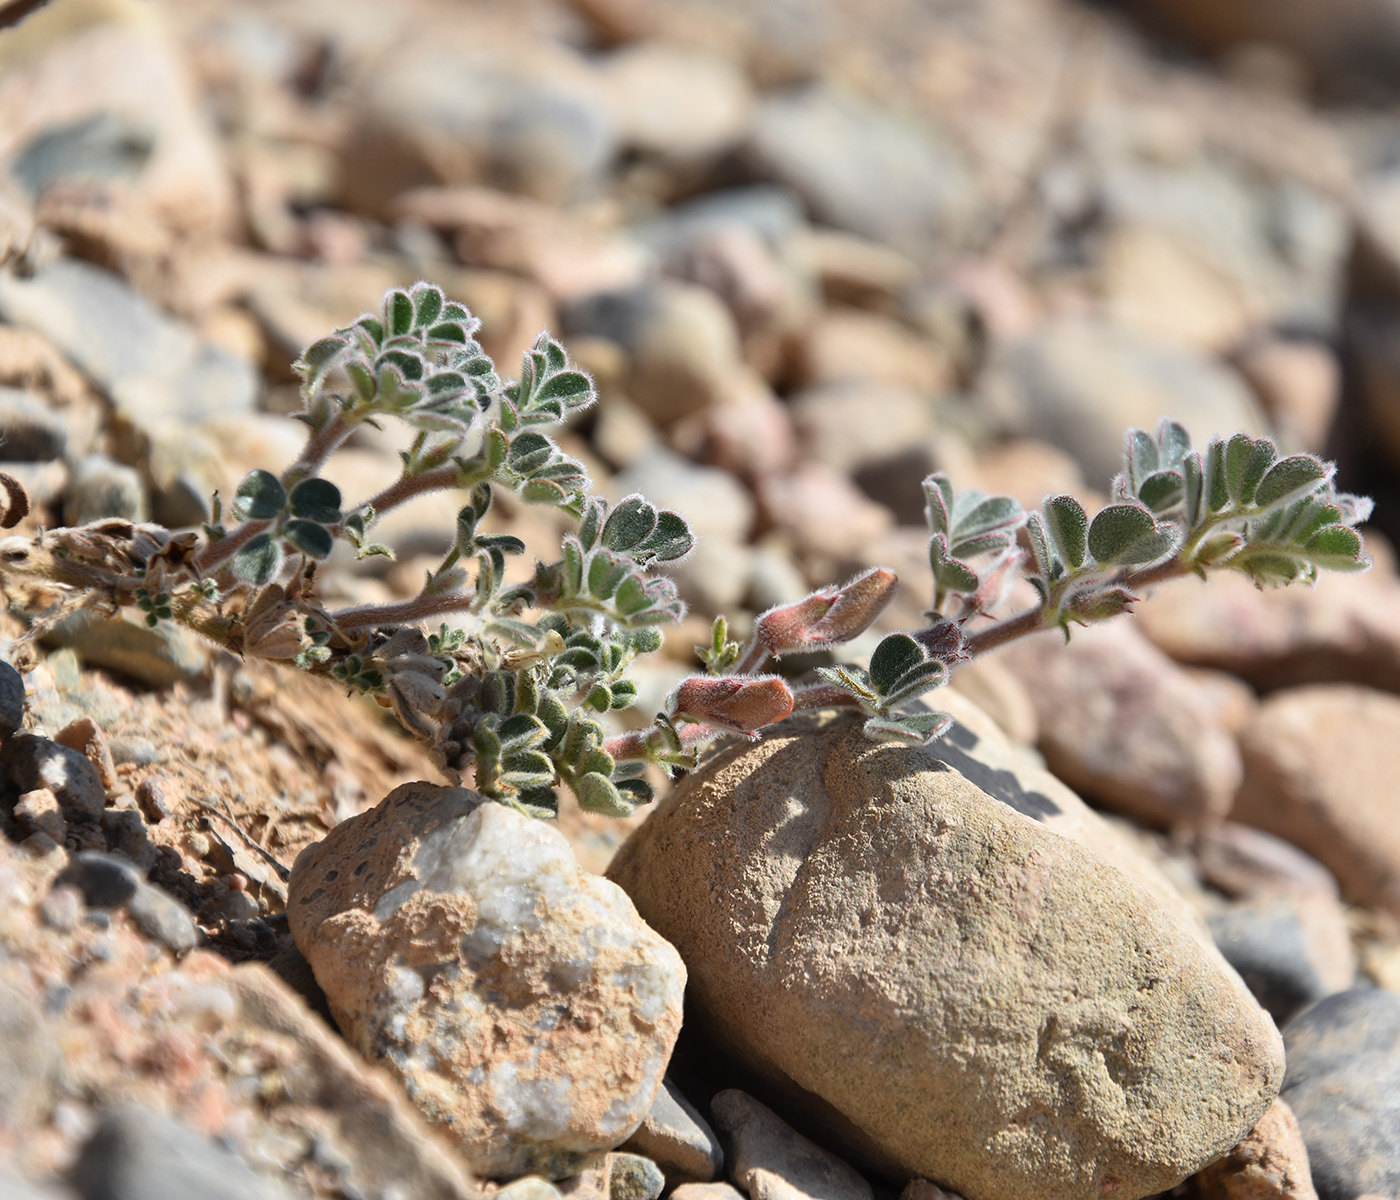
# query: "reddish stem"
[[632, 745], [1033, 620], [402, 611], [405, 487], [822, 695]]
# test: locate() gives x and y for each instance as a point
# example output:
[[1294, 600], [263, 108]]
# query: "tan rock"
[[120, 64], [850, 344], [825, 513], [907, 945], [683, 350], [1158, 284], [1346, 628], [676, 102], [707, 1191], [1123, 724], [1270, 1164], [1320, 765], [526, 1008], [1299, 385]]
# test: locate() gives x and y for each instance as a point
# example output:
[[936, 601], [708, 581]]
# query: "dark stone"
[[136, 1153], [125, 832], [104, 880], [31, 762], [11, 699], [1343, 1085], [1267, 944]]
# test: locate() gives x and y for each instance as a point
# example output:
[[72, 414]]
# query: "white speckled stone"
[[526, 1006]]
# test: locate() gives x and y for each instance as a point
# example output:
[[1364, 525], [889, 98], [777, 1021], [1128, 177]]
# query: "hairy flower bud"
[[943, 641], [826, 617], [742, 703], [1101, 604]]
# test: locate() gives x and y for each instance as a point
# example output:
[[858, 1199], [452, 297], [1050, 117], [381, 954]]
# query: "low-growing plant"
[[514, 687]]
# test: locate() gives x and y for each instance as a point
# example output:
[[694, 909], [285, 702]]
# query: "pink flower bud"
[[827, 617], [742, 703]]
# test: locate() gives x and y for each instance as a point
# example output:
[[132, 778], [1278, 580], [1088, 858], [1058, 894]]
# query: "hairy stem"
[[633, 744], [319, 447], [406, 487], [822, 695], [417, 609], [750, 659], [1033, 619]]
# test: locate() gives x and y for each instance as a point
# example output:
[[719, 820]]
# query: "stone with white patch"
[[525, 1005]]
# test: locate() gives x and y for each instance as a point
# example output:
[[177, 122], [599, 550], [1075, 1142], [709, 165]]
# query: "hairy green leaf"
[[316, 500], [310, 538], [629, 524], [597, 794], [1162, 490], [428, 301], [260, 497], [914, 729], [896, 656], [1067, 525], [1290, 478], [398, 313], [1118, 531], [259, 561], [1337, 548]]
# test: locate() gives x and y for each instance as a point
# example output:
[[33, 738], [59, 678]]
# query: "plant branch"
[[822, 695], [319, 447], [406, 487], [403, 611], [750, 660], [632, 745], [1033, 619]]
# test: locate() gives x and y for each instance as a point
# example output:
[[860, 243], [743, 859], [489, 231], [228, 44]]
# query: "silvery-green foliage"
[[516, 689], [1235, 505], [972, 542]]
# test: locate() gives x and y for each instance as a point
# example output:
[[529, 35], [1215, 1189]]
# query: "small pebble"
[[163, 918], [136, 1153], [634, 1177], [85, 736], [154, 803], [125, 832], [677, 1139], [136, 750], [38, 812], [529, 1187]]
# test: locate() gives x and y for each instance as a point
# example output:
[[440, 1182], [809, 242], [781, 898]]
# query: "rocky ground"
[[810, 253]]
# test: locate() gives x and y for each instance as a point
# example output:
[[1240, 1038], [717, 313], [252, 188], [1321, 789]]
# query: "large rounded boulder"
[[949, 967]]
